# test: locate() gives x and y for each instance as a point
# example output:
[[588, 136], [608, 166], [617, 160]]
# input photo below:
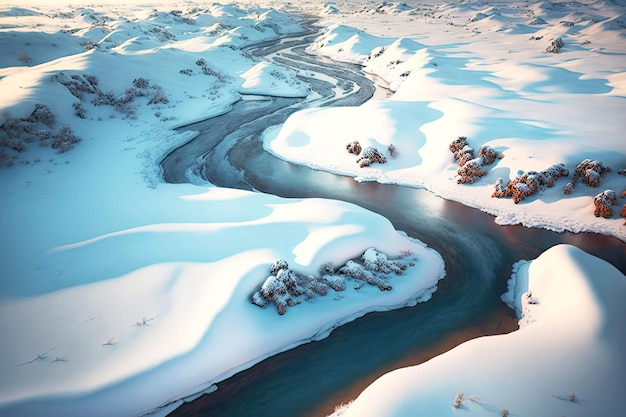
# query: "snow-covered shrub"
[[78, 85], [622, 172], [457, 146], [470, 171], [79, 110], [284, 288], [378, 262], [393, 152], [327, 268], [569, 188], [529, 183], [259, 300], [458, 400], [488, 154], [278, 265], [15, 134], [603, 203], [186, 71], [466, 154], [555, 46], [141, 83], [353, 270], [354, 147], [64, 140], [591, 172], [158, 97], [336, 282], [206, 70], [370, 155], [42, 114]]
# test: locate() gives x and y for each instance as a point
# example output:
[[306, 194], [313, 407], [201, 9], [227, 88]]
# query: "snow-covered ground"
[[114, 284], [480, 71]]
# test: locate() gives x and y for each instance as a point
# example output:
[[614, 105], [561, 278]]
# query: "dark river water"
[[311, 379]]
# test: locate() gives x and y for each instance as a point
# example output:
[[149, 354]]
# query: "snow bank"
[[566, 359]]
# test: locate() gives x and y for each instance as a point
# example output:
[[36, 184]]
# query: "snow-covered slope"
[[566, 359]]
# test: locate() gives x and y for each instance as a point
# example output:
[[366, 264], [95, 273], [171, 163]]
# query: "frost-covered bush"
[[568, 189], [158, 97], [336, 282], [42, 114], [284, 287], [603, 203], [141, 83], [469, 166], [79, 110], [458, 400], [393, 152], [591, 172], [370, 155], [16, 134], [470, 171], [356, 271], [459, 146], [64, 140], [78, 85], [378, 262], [354, 147], [488, 154], [555, 46], [529, 183]]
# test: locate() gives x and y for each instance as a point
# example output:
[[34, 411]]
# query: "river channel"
[[311, 379]]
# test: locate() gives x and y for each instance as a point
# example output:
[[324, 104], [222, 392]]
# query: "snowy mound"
[[566, 359]]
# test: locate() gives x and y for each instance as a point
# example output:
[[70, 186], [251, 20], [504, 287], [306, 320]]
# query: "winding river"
[[311, 379]]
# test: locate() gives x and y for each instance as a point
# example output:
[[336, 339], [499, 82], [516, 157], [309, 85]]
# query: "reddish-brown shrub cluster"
[[590, 171], [354, 147], [470, 167], [569, 188], [369, 156], [603, 203], [461, 150], [488, 154], [470, 171], [529, 183]]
